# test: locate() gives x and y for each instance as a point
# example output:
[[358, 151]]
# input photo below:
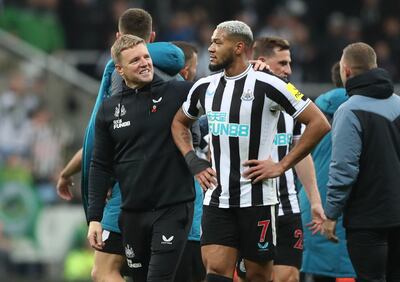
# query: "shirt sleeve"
[[101, 168], [192, 106], [344, 166], [285, 95]]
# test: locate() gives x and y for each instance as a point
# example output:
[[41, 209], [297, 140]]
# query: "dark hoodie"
[[364, 180], [375, 83], [133, 143]]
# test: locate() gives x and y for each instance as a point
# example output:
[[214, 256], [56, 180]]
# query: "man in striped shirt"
[[242, 108], [275, 52]]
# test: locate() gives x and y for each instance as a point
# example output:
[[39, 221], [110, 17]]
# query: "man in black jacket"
[[364, 180], [133, 145]]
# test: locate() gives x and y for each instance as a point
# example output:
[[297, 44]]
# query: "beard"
[[222, 65]]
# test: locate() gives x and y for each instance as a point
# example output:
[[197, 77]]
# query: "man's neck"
[[236, 68], [133, 85]]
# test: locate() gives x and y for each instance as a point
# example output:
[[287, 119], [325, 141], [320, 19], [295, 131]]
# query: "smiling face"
[[135, 66], [221, 51]]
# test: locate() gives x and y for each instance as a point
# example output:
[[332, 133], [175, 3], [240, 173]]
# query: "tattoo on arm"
[[186, 136]]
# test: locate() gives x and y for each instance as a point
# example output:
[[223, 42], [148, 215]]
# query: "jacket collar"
[[374, 83], [155, 82]]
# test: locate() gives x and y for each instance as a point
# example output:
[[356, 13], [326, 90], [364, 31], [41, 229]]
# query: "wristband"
[[195, 163]]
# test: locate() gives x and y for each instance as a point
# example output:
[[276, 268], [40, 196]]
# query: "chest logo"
[[157, 101], [248, 95], [119, 111]]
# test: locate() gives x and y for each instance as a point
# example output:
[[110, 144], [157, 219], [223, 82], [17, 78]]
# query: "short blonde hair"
[[124, 42], [360, 57]]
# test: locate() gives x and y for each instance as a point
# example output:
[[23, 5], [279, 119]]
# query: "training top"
[[167, 59], [133, 143], [242, 113]]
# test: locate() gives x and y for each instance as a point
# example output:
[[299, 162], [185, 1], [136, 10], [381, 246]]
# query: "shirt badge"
[[119, 111], [248, 95]]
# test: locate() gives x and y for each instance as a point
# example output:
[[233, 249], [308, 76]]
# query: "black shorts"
[[252, 230], [289, 249], [154, 241], [112, 243], [191, 267]]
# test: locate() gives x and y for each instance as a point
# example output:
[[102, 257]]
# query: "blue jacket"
[[364, 172], [166, 57], [321, 256]]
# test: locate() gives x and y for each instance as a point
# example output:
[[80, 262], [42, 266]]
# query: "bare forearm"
[[182, 138], [315, 130], [306, 173], [181, 134], [73, 166]]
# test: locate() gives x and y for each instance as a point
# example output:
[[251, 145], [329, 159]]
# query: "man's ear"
[[240, 48], [119, 69], [347, 71], [262, 59], [152, 37], [118, 35], [185, 72]]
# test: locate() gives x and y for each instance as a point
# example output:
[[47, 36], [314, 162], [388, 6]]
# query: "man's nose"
[[143, 62], [288, 70], [211, 48]]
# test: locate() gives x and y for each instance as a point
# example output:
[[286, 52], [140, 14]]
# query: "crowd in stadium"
[[318, 31]]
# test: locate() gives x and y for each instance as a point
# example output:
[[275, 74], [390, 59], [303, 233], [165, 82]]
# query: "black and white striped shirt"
[[288, 131], [242, 114]]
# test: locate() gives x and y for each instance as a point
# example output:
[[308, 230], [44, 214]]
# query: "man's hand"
[[202, 171], [64, 182], [329, 230], [64, 185], [318, 218], [207, 179], [95, 235], [259, 65], [262, 169]]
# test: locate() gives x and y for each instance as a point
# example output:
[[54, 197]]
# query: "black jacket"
[[134, 145]]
